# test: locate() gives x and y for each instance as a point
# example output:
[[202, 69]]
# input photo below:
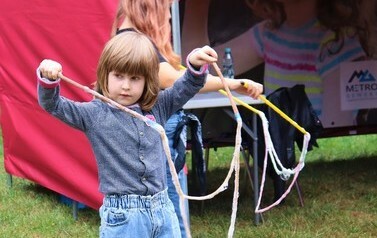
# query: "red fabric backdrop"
[[37, 146]]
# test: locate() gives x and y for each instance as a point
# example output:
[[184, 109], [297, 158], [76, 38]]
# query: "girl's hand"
[[50, 69], [202, 56]]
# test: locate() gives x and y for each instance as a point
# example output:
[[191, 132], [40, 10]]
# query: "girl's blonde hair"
[[130, 53], [150, 17]]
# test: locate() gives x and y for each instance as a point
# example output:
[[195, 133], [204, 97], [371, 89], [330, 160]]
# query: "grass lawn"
[[339, 184]]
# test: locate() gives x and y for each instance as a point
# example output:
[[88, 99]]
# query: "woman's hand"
[[50, 69], [246, 86]]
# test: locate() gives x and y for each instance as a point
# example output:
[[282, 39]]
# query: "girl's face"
[[125, 89]]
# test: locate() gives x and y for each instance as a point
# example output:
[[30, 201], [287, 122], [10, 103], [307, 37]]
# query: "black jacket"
[[195, 139], [295, 103]]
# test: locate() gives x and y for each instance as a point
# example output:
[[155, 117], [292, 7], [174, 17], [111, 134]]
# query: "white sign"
[[358, 85]]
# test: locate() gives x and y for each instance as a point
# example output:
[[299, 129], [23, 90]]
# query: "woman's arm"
[[168, 75], [214, 83]]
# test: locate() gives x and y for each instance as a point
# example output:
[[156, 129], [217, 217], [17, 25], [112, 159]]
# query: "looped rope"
[[284, 173], [235, 163]]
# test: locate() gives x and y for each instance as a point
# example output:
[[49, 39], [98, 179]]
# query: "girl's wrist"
[[194, 69]]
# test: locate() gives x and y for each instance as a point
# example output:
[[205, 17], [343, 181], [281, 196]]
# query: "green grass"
[[339, 184]]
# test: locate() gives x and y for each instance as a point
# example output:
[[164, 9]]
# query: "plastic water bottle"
[[228, 70]]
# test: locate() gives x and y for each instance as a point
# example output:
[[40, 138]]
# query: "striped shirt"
[[295, 56]]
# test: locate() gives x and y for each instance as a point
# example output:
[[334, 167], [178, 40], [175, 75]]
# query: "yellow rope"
[[267, 102], [276, 109], [239, 101], [282, 114]]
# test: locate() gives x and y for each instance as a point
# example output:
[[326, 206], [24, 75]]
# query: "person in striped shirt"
[[304, 41]]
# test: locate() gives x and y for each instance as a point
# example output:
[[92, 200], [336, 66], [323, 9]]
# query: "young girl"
[[129, 154]]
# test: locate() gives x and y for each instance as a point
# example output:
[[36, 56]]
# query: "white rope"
[[285, 173], [270, 150]]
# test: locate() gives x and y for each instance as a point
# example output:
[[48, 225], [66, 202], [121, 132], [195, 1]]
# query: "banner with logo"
[[358, 85]]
